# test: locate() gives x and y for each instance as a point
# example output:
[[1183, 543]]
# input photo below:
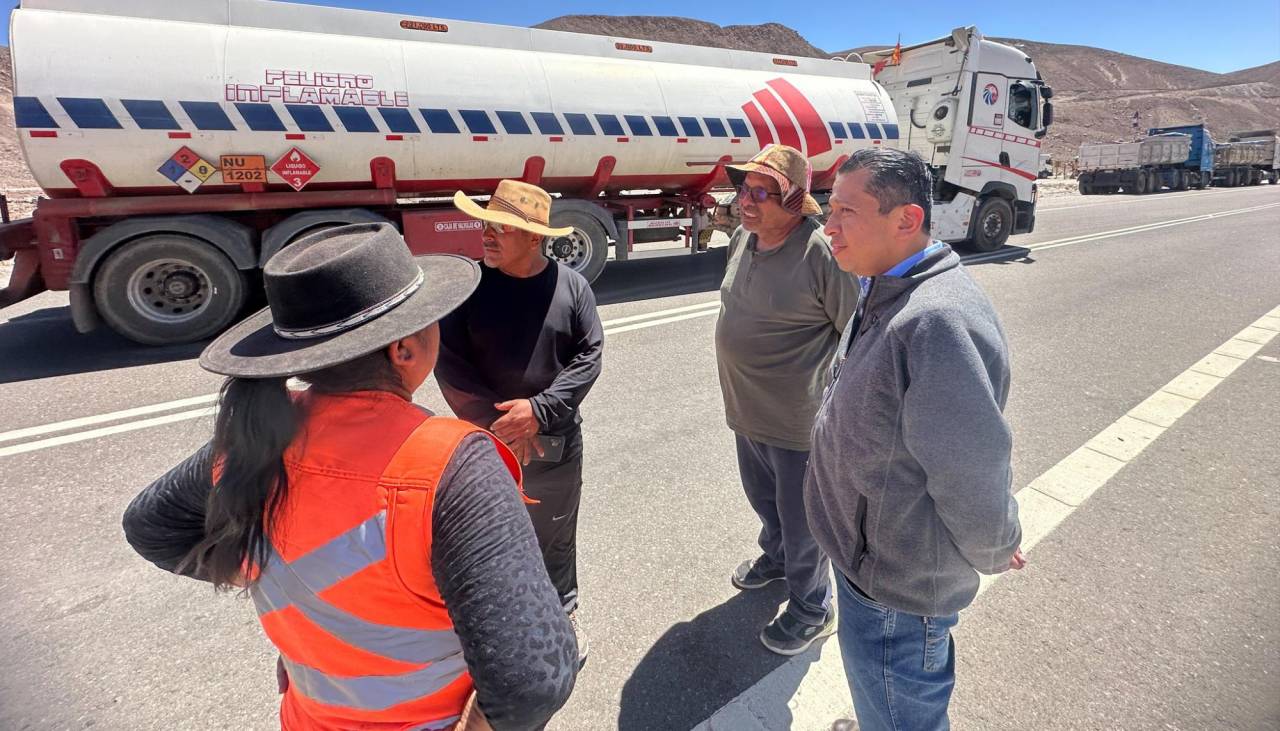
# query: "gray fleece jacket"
[[908, 484]]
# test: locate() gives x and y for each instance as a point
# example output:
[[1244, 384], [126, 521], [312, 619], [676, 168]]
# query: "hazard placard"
[[202, 169], [295, 168], [187, 169], [244, 168]]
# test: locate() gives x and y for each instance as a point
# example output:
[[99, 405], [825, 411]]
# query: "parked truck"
[[181, 143], [1173, 158], [977, 111], [1249, 158]]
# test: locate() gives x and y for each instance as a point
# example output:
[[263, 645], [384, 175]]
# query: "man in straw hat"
[[783, 304], [519, 357], [374, 538]]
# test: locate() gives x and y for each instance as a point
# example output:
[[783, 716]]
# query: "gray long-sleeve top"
[[908, 488], [522, 655]]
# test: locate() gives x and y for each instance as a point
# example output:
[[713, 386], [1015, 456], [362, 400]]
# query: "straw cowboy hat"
[[339, 294], [790, 168], [514, 203]]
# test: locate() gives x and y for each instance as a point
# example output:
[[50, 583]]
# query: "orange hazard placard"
[[244, 168]]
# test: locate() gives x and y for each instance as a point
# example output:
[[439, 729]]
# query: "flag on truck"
[[895, 59]]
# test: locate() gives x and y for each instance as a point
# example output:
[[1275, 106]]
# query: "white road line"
[[1137, 199], [1008, 252], [809, 694], [612, 327], [660, 313], [105, 431], [34, 431], [715, 310]]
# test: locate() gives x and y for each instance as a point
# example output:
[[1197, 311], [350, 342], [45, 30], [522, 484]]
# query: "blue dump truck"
[[1198, 167], [1176, 158]]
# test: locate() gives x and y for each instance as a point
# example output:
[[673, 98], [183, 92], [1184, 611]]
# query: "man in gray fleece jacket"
[[908, 485]]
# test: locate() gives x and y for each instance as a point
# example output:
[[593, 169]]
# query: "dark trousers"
[[558, 488], [773, 479]]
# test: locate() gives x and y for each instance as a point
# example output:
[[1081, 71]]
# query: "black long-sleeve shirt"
[[538, 338], [522, 655]]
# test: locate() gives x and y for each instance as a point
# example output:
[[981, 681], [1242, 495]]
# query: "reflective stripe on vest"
[[299, 583]]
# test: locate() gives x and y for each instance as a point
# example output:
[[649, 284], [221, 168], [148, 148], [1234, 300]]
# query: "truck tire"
[[165, 289], [992, 224], [1180, 181], [1085, 187], [585, 250], [1273, 177]]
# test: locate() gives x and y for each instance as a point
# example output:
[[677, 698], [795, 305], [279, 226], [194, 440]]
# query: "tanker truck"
[[184, 142]]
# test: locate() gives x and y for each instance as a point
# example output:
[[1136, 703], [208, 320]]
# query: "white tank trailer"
[[183, 142]]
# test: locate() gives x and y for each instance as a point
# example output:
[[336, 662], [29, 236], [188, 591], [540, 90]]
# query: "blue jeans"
[[901, 667]]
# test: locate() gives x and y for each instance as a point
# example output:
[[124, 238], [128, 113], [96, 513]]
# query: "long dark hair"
[[257, 421]]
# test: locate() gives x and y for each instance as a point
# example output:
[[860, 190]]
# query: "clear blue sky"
[[1218, 37]]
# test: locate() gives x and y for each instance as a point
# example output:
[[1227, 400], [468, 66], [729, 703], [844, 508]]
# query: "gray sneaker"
[[581, 637], [748, 575], [787, 635]]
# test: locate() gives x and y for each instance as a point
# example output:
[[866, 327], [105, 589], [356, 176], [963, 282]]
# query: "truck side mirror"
[[1046, 92], [1046, 118]]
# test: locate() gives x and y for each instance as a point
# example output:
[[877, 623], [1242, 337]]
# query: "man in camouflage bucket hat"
[[783, 305]]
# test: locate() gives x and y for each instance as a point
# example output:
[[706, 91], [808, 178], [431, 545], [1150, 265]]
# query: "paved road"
[[1150, 605]]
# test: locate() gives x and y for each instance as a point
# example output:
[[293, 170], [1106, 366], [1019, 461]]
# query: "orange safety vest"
[[347, 595]]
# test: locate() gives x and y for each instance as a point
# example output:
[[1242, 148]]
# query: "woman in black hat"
[[376, 540]]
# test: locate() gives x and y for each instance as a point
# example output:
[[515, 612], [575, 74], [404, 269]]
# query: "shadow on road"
[[45, 344], [665, 276], [1006, 255], [700, 665]]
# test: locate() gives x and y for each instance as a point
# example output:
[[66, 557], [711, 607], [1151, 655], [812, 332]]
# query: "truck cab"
[[977, 111]]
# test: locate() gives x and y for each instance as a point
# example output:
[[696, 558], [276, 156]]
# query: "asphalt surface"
[[1153, 606]]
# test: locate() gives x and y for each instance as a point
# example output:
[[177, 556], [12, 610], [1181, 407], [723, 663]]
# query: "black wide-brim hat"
[[336, 295]]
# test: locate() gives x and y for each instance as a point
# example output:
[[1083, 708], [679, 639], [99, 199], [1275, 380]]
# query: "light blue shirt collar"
[[904, 266]]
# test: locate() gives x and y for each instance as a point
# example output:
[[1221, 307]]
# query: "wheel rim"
[[992, 224], [573, 249], [168, 291]]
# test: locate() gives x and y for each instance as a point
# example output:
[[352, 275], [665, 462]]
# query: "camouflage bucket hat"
[[790, 168]]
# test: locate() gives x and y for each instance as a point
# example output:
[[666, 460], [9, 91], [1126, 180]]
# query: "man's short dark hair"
[[896, 178]]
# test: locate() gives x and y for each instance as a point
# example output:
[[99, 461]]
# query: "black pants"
[[558, 488]]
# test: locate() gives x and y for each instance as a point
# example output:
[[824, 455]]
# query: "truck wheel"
[[1273, 178], [1085, 187], [165, 289], [1180, 179], [584, 250], [992, 225]]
